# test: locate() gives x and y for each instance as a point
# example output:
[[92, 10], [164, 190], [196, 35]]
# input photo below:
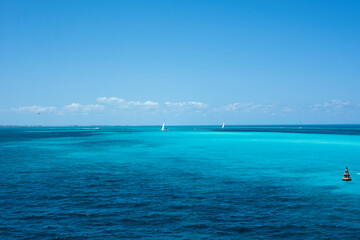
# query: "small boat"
[[223, 126], [163, 129]]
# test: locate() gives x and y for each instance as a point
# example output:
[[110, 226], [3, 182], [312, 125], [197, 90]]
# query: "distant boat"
[[163, 129], [38, 113], [223, 126]]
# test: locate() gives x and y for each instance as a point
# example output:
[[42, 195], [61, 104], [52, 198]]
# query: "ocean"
[[191, 182]]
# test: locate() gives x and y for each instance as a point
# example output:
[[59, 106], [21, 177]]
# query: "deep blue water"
[[243, 182]]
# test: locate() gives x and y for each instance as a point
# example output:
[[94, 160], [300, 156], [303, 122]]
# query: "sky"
[[187, 62]]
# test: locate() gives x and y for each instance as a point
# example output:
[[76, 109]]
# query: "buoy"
[[346, 175]]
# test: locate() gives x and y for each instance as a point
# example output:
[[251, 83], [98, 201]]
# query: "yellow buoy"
[[346, 175]]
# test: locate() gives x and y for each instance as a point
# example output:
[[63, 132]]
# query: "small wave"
[[196, 226]]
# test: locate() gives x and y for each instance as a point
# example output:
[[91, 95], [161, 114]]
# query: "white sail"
[[223, 126], [163, 127]]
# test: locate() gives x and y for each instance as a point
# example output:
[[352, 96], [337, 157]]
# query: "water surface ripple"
[[189, 183]]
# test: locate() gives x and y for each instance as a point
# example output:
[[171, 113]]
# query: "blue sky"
[[189, 62]]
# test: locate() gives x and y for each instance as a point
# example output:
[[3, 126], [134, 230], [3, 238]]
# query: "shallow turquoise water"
[[188, 183]]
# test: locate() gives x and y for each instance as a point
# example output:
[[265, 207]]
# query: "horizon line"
[[176, 125]]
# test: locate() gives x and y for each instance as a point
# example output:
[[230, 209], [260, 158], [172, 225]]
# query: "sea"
[[190, 182]]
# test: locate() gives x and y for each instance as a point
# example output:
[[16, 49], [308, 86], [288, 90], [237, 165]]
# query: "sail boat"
[[223, 126], [163, 129]]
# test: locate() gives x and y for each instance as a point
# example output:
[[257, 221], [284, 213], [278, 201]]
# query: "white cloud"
[[34, 109], [191, 107], [77, 107], [287, 109], [113, 100], [122, 103], [150, 103], [238, 106], [186, 104], [72, 107], [116, 105], [331, 105], [250, 107], [141, 104]]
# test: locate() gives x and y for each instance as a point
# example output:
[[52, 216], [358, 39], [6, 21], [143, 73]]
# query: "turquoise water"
[[264, 182]]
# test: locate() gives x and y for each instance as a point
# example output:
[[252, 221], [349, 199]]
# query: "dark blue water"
[[189, 183]]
